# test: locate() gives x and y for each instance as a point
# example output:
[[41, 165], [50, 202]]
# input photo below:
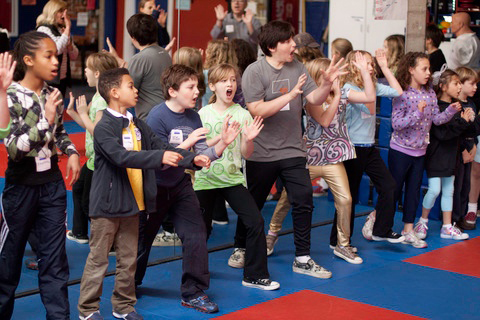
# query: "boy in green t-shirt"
[[87, 118]]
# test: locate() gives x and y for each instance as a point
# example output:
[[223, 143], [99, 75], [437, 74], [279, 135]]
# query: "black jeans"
[[462, 189], [81, 201], [407, 170], [296, 179], [368, 160], [241, 201], [42, 208], [183, 206]]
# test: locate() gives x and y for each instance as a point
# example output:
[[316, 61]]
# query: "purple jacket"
[[411, 128]]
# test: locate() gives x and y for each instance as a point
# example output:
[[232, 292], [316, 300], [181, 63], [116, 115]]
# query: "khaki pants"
[[337, 180], [103, 233]]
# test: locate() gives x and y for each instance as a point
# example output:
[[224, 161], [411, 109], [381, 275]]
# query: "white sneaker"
[[420, 230], [237, 259], [262, 284], [367, 230], [166, 239], [347, 254], [453, 233], [411, 239], [312, 269]]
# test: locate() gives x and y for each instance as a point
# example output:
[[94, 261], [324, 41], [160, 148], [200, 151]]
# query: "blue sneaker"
[[127, 316], [201, 303]]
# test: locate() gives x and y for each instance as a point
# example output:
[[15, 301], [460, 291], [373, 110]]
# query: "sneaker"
[[420, 230], [112, 252], [411, 239], [352, 248], [166, 239], [478, 213], [347, 254], [263, 284], [391, 237], [78, 239], [93, 316], [367, 229], [271, 241], [453, 232], [220, 222], [31, 263], [237, 259], [128, 316], [462, 224], [311, 268], [471, 218], [201, 303]]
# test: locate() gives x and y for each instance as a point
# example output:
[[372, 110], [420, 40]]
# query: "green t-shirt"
[[223, 172], [98, 104]]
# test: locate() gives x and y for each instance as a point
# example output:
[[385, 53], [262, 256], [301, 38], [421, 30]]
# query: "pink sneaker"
[[453, 233], [420, 230]]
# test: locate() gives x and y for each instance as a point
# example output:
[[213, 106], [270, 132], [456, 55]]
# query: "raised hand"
[[7, 67], [171, 158], [229, 130], [298, 87], [196, 135], [68, 22], [251, 131], [51, 105], [360, 62], [247, 17], [220, 13], [381, 57], [82, 105], [71, 103], [170, 44], [421, 105], [162, 16], [202, 161], [335, 70]]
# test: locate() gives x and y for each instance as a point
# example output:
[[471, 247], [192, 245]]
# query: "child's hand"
[[171, 158], [247, 17], [457, 106], [73, 165], [467, 157], [170, 44], [381, 57], [467, 114], [7, 67], [360, 62], [68, 22], [51, 105], [251, 131], [421, 105], [202, 161], [297, 90], [196, 135], [335, 70], [220, 13], [229, 130], [71, 103], [82, 105], [162, 16]]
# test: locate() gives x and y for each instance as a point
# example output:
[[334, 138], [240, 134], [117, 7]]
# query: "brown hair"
[[396, 50], [142, 3], [110, 79], [353, 76], [306, 54], [465, 74], [444, 80], [192, 58], [410, 60], [101, 62], [274, 32], [343, 46], [174, 76], [218, 73], [219, 51], [245, 54]]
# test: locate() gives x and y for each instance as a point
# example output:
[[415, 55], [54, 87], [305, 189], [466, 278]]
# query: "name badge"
[[229, 28], [286, 108], [128, 141], [176, 136], [42, 164], [138, 134]]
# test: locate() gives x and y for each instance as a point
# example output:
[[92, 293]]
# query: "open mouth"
[[229, 93]]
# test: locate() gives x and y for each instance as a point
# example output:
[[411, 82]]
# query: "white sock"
[[303, 259], [472, 207], [447, 225], [424, 221]]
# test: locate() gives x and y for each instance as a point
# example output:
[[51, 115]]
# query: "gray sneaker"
[[271, 241], [166, 239], [347, 254], [311, 269], [237, 259]]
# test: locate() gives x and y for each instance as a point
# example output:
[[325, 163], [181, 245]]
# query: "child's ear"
[[172, 92], [211, 86], [97, 74], [114, 93], [28, 60]]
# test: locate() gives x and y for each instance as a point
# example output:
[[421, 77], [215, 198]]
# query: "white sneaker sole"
[[273, 286], [236, 265], [338, 254], [446, 236], [399, 240], [81, 241], [416, 246], [323, 275], [269, 252], [421, 236]]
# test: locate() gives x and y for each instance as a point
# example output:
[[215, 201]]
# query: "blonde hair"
[[192, 58], [343, 46], [465, 74], [101, 62], [219, 51], [218, 73], [353, 76], [49, 11], [315, 68], [396, 50]]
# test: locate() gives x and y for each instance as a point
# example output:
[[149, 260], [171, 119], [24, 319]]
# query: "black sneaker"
[[263, 284], [463, 225], [391, 237]]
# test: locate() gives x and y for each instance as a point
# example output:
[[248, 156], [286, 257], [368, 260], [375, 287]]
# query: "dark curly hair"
[[245, 54], [444, 80], [410, 60]]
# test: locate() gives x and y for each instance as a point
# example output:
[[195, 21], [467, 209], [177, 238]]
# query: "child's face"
[[453, 88], [421, 72], [148, 8], [127, 93], [225, 89], [284, 51], [187, 94], [469, 87], [91, 77], [44, 64], [370, 65]]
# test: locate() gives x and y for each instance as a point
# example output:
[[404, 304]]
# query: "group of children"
[[135, 174]]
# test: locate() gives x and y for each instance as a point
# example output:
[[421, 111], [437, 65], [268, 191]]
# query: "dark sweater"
[[437, 60], [111, 194], [442, 152]]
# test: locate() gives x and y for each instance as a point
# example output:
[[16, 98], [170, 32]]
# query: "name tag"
[[43, 164], [229, 28], [286, 108], [128, 141], [176, 136], [138, 134]]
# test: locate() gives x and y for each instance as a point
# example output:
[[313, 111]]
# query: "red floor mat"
[[462, 257], [308, 304]]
